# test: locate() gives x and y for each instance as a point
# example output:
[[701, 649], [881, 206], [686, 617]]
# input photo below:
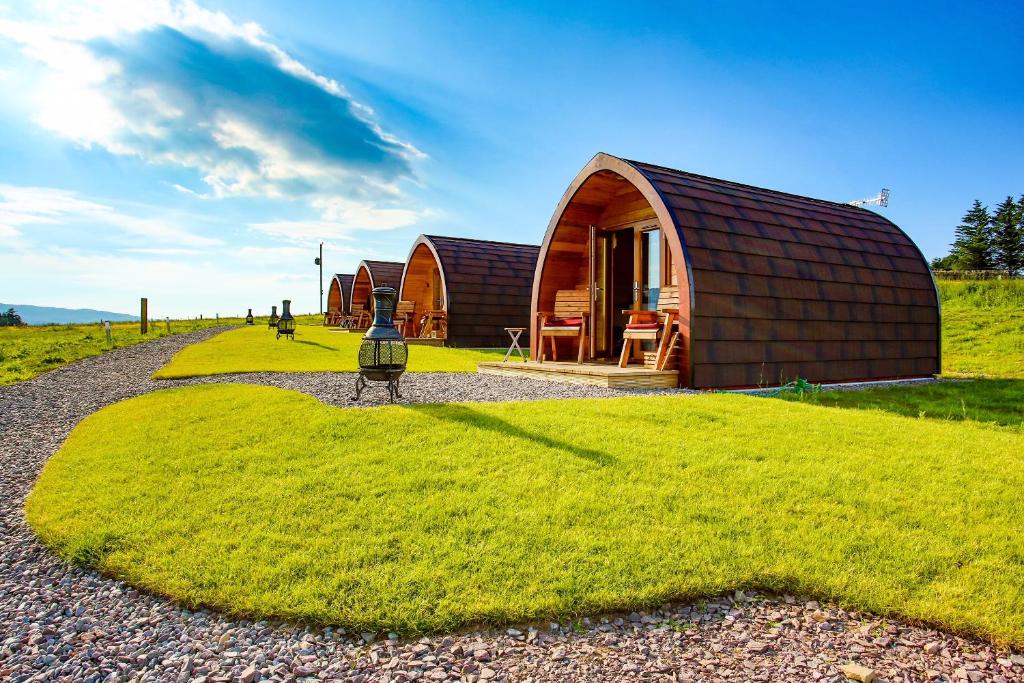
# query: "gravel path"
[[61, 623]]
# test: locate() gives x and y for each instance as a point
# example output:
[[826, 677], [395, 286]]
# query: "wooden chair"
[[661, 325], [434, 324], [405, 320], [569, 319], [332, 318]]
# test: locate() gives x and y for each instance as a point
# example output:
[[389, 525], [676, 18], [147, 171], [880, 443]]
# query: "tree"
[[972, 246], [10, 318], [1008, 236], [947, 262]]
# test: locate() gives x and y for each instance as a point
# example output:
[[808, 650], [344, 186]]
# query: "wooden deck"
[[607, 375], [353, 330]]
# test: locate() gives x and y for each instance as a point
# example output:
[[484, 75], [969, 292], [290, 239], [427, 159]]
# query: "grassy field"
[[423, 518], [315, 349], [983, 328], [993, 401], [26, 352]]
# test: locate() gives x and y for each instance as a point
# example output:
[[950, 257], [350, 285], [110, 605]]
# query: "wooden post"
[[144, 318], [168, 324]]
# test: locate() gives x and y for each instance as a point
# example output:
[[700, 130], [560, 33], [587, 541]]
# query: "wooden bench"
[[568, 319], [405, 320], [660, 325]]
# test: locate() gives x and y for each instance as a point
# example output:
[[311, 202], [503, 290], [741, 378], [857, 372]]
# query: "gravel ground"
[[62, 623]]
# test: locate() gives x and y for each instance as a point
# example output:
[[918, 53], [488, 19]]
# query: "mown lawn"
[[263, 502], [315, 349]]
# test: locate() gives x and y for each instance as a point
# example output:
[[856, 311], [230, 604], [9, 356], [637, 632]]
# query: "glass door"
[[649, 269]]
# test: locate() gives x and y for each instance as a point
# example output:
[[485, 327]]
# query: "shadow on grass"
[[473, 418], [313, 343], [993, 401]]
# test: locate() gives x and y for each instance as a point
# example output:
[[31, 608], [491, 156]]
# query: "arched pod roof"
[[372, 274], [778, 285], [486, 286], [339, 294]]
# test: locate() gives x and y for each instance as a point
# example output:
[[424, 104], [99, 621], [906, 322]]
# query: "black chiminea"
[[248, 317], [383, 352], [272, 323], [286, 323]]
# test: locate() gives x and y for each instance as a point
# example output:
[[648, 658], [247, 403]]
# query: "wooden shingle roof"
[[822, 289]]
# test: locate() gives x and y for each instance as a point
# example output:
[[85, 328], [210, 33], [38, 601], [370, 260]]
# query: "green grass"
[[315, 349], [266, 502], [26, 352], [983, 328], [994, 401]]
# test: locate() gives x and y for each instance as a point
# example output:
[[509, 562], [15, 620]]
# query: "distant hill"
[[50, 315]]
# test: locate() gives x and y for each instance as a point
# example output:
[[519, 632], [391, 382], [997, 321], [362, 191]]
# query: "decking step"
[[602, 375]]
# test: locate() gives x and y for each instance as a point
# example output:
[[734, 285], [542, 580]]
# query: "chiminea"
[[248, 318], [383, 352], [286, 323], [272, 323]]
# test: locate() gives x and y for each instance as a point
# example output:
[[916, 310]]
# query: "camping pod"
[[476, 288], [339, 294], [371, 274], [766, 286]]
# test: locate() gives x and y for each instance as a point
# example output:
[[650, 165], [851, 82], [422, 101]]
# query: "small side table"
[[515, 333]]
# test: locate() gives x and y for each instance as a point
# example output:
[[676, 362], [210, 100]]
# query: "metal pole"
[[321, 278]]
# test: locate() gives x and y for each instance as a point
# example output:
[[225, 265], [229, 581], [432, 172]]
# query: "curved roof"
[[487, 286], [779, 284], [343, 283], [372, 274]]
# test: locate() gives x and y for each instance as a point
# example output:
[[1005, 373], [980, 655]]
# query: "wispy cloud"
[[24, 209], [174, 84]]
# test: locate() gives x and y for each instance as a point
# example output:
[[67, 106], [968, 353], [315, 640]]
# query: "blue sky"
[[196, 153]]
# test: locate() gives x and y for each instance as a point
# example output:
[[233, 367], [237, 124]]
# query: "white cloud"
[[174, 83], [31, 207]]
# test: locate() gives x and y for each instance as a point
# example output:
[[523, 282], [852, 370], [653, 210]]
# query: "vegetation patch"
[[999, 402], [315, 349], [266, 502], [28, 351], [983, 328]]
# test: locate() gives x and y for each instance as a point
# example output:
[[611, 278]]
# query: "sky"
[[197, 153]]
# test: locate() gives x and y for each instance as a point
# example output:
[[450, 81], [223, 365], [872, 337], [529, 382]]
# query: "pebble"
[[63, 623]]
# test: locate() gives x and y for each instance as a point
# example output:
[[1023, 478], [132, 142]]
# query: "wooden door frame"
[[638, 228]]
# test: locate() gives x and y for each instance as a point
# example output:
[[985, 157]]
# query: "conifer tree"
[[1008, 236], [972, 245]]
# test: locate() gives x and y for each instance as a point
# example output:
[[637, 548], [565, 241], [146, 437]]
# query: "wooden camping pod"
[[371, 274], [772, 286], [481, 286], [339, 294]]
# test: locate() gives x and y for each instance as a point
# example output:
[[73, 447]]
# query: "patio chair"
[[332, 318], [568, 319], [434, 325], [405, 319], [660, 325]]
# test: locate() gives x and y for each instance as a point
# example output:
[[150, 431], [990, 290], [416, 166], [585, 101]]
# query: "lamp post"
[[319, 260]]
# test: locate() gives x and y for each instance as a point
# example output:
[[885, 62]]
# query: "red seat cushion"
[[563, 322], [643, 326]]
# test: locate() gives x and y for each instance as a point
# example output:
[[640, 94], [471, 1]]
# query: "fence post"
[[144, 317], [106, 327]]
